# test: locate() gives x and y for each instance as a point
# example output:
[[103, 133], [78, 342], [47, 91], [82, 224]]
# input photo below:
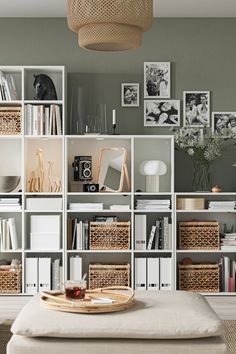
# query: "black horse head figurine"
[[44, 88]]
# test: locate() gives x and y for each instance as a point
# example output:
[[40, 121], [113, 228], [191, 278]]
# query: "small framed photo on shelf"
[[130, 95], [157, 79], [161, 113], [196, 108], [223, 120]]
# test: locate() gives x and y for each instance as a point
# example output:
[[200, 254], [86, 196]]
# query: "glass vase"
[[201, 181]]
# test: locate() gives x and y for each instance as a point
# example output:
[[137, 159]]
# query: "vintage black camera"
[[82, 168], [90, 187]]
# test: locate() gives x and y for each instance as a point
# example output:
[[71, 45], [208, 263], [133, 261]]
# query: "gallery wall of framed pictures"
[[163, 110]]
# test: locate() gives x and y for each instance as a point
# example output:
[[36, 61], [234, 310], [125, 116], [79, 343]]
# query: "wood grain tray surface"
[[123, 299]]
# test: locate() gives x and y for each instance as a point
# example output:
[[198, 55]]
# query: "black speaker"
[[82, 168]]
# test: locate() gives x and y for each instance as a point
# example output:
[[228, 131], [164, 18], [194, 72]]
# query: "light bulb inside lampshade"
[[152, 168]]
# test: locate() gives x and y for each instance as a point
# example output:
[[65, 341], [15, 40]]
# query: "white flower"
[[190, 152]]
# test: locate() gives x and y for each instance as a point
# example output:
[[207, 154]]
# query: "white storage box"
[[44, 204], [44, 241], [45, 232]]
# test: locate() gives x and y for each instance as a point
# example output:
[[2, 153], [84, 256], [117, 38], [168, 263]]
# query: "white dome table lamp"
[[152, 169]]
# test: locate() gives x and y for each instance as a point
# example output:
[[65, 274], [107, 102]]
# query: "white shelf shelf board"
[[43, 251], [99, 251], [153, 211], [153, 251], [204, 251], [205, 211], [100, 193], [99, 211], [37, 102]]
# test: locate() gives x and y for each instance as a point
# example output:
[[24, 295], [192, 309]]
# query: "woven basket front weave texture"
[[200, 278], [104, 275], [199, 235]]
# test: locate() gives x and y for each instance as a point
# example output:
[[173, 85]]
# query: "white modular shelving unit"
[[18, 157], [17, 151]]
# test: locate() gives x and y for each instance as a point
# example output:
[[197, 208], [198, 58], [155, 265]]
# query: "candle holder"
[[114, 129]]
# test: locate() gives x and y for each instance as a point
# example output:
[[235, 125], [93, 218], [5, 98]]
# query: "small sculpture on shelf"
[[44, 88], [152, 170], [36, 179]]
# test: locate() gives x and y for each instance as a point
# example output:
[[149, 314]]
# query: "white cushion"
[[156, 315], [24, 345]]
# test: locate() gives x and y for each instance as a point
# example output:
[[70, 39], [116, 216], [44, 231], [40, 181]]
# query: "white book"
[[227, 273], [153, 276], [75, 268], [35, 121], [13, 233], [56, 274], [140, 274], [47, 121], [165, 273], [44, 280], [41, 117], [61, 275], [58, 120], [29, 119], [169, 237], [151, 237], [14, 94], [140, 232], [31, 276], [6, 235], [79, 235]]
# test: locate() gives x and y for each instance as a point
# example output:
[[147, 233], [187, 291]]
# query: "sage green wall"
[[202, 52]]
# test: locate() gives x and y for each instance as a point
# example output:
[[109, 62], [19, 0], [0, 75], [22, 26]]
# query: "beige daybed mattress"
[[160, 322], [24, 345]]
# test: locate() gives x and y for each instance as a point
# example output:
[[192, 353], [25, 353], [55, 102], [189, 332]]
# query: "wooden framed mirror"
[[112, 169]]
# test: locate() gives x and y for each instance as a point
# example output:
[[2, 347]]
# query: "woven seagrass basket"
[[199, 277], [199, 235], [104, 275], [10, 120], [10, 280], [109, 235]]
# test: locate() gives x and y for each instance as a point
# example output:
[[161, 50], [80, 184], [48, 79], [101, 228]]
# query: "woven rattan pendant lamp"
[[110, 25]]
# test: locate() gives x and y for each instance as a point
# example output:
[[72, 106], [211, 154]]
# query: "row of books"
[[228, 242], [10, 204], [78, 232], [43, 119], [153, 273], [160, 237], [8, 90], [8, 235], [153, 204], [42, 274], [222, 205], [227, 274]]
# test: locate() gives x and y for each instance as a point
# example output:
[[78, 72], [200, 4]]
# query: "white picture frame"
[[157, 85], [228, 120], [155, 115], [196, 109], [131, 99]]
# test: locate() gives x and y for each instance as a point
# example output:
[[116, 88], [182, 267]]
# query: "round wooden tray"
[[122, 301]]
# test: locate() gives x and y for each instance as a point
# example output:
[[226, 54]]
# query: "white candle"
[[113, 117]]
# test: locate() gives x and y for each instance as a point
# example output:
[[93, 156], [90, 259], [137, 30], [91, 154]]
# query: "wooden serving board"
[[122, 301]]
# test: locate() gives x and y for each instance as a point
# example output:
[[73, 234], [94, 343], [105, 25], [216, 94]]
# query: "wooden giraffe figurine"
[[36, 177]]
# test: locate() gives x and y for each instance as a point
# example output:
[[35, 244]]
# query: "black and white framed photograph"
[[161, 113], [157, 79], [130, 95], [222, 120], [196, 108]]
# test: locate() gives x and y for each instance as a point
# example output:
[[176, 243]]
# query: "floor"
[[224, 306]]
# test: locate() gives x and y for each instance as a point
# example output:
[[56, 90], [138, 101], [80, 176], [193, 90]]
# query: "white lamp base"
[[152, 184]]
